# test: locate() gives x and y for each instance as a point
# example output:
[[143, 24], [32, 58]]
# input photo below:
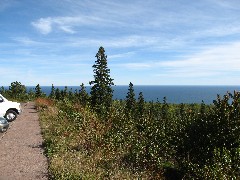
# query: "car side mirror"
[[1, 100]]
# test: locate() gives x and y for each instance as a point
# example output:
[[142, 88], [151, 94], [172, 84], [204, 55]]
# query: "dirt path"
[[21, 156]]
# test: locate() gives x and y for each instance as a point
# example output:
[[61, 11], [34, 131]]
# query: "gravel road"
[[21, 149]]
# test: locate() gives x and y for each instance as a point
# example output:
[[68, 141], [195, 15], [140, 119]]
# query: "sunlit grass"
[[79, 152]]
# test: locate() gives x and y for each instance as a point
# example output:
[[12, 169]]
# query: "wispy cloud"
[[217, 61], [44, 25], [64, 23], [27, 41], [121, 55], [220, 58]]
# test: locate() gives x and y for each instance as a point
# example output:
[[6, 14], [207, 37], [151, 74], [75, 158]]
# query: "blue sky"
[[153, 42]]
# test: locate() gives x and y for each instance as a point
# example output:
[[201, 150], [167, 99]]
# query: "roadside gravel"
[[21, 156]]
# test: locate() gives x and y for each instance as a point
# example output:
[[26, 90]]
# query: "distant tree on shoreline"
[[17, 90]]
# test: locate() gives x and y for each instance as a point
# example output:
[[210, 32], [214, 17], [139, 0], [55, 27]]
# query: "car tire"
[[11, 115]]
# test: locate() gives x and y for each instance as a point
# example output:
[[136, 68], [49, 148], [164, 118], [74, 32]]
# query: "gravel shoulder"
[[21, 148]]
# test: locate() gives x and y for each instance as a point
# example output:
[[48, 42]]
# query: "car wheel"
[[11, 115]]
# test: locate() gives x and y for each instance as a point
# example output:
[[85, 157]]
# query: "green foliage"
[[160, 140], [83, 96], [58, 94], [2, 90], [38, 91], [141, 104], [17, 91], [101, 91], [52, 94], [130, 99], [211, 131]]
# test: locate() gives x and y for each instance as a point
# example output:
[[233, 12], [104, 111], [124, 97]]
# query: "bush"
[[188, 141]]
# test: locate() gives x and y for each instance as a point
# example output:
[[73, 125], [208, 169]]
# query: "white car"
[[8, 109]]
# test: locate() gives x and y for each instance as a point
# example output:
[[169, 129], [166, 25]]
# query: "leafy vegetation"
[[17, 91], [134, 139], [156, 141]]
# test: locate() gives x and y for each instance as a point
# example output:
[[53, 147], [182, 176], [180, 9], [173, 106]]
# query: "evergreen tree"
[[38, 91], [2, 90], [130, 98], [58, 94], [83, 95], [52, 93], [70, 95], [165, 107], [64, 93], [17, 90], [101, 91], [140, 104]]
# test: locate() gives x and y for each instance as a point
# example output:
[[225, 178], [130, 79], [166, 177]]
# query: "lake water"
[[174, 94]]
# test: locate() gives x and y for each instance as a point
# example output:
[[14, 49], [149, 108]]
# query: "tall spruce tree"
[[130, 99], [101, 91]]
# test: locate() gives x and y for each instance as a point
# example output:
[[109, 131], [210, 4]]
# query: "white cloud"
[[121, 55], [67, 29], [27, 41], [219, 63], [215, 65], [64, 23], [220, 58], [44, 25]]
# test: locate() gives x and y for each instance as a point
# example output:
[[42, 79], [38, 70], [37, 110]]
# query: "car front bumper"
[[4, 127]]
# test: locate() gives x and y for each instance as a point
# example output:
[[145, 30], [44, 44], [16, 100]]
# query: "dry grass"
[[80, 153]]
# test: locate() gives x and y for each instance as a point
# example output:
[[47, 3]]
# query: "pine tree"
[[83, 95], [58, 94], [38, 91], [140, 104], [52, 93], [64, 93], [130, 98], [101, 91]]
